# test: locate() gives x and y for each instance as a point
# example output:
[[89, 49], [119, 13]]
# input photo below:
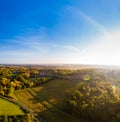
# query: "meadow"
[[47, 99], [8, 108]]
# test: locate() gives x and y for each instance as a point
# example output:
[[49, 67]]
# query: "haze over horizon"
[[62, 31]]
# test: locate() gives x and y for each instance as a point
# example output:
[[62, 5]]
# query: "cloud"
[[68, 47], [32, 43], [34, 49], [102, 50], [105, 50], [80, 14], [71, 48], [40, 48]]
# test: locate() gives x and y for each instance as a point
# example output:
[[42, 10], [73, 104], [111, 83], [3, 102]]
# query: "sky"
[[60, 31]]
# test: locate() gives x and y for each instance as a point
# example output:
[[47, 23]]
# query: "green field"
[[47, 99], [9, 108]]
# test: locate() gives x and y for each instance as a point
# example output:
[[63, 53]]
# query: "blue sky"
[[60, 31]]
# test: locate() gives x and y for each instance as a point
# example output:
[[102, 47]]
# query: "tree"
[[11, 91], [26, 75], [87, 77], [28, 118], [4, 81], [5, 118], [34, 72]]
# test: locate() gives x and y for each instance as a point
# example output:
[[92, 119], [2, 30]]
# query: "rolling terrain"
[[47, 99]]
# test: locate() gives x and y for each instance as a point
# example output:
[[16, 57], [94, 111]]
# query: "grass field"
[[47, 99], [8, 108], [55, 90]]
